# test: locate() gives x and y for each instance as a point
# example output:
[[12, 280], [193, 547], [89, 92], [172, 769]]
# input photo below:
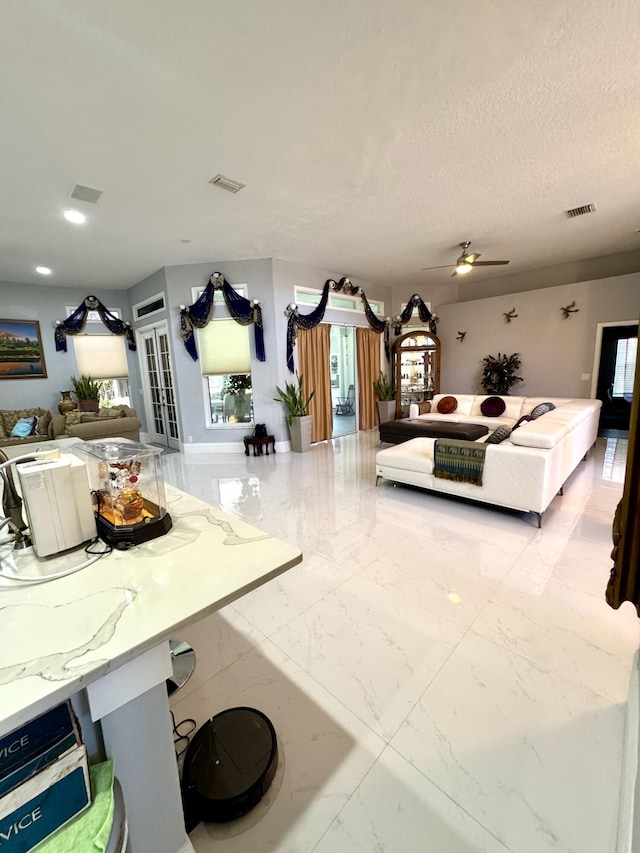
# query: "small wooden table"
[[258, 444]]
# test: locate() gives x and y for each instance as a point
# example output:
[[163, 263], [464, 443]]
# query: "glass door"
[[343, 380], [157, 385]]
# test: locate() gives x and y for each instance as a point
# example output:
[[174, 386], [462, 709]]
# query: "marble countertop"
[[57, 637]]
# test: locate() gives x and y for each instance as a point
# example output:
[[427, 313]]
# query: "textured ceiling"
[[372, 136]]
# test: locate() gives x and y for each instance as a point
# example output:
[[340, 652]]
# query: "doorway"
[[157, 385], [616, 356], [344, 398]]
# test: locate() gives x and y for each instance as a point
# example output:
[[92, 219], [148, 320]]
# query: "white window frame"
[[93, 316], [377, 306], [415, 317], [146, 301], [218, 300]]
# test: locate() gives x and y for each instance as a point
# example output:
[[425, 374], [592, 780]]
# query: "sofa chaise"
[[525, 471]]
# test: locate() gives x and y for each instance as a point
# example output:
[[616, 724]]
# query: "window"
[[105, 357], [226, 367], [93, 316], [626, 354], [312, 296], [153, 305], [414, 320]]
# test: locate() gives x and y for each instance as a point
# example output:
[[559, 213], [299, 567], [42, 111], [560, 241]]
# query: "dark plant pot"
[[88, 405]]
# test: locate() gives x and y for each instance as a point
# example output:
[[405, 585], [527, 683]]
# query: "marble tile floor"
[[442, 676]]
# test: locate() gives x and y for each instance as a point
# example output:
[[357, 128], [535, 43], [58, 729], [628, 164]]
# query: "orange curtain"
[[313, 364], [368, 350]]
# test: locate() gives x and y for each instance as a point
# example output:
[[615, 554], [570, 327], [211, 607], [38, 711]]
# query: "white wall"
[[555, 353]]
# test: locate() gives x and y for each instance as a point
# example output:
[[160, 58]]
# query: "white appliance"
[[57, 498]]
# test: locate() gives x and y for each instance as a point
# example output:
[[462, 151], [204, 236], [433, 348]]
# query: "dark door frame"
[[598, 349]]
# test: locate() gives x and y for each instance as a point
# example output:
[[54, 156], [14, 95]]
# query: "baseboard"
[[226, 447], [188, 848], [629, 778]]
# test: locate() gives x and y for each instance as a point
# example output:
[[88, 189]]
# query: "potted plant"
[[386, 394], [498, 374], [298, 417], [87, 390]]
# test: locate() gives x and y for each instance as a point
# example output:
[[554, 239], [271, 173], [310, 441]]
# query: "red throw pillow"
[[493, 407], [447, 405]]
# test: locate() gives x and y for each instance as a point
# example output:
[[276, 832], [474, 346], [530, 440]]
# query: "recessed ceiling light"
[[43, 270], [74, 216]]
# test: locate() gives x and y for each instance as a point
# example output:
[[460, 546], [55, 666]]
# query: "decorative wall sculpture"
[[569, 309]]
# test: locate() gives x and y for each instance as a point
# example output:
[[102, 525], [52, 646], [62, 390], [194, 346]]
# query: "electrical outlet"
[[190, 439], [586, 376]]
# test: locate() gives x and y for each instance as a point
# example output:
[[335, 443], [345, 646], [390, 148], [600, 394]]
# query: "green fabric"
[[461, 461], [90, 831]]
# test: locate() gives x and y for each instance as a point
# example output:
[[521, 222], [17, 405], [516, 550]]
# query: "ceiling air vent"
[[580, 211], [226, 184], [85, 193]]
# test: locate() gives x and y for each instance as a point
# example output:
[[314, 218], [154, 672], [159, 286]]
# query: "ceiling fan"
[[466, 262]]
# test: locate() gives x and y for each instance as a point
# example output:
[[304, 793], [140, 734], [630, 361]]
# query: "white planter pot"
[[386, 411], [300, 431]]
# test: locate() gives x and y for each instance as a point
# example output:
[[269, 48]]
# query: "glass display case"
[[127, 488], [416, 360]]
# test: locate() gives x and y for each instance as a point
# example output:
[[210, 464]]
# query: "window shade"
[[101, 356], [224, 348], [626, 354]]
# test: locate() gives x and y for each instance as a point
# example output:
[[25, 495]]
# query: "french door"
[[157, 385]]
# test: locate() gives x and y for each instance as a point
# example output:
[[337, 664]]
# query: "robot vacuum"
[[229, 766]]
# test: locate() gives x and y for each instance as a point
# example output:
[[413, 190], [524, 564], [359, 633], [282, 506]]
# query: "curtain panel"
[[314, 347], [368, 353]]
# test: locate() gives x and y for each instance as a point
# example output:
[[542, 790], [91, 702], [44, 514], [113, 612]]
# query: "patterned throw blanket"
[[462, 461]]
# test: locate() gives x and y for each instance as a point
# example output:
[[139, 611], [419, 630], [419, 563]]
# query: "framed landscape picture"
[[21, 355]]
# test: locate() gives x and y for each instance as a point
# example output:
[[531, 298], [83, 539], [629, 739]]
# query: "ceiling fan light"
[[463, 268]]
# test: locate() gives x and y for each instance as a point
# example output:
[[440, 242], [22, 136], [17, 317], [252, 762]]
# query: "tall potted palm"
[[386, 395], [298, 417]]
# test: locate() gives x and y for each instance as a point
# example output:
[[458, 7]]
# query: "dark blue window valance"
[[75, 323], [243, 311], [416, 302], [295, 320]]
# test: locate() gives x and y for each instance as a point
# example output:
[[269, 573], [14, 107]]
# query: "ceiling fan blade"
[[455, 272], [489, 263], [446, 266], [472, 258]]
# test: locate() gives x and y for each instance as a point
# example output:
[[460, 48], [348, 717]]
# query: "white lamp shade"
[[224, 348], [101, 356]]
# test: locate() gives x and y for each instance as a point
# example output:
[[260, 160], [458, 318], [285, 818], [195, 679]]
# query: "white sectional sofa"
[[524, 472]]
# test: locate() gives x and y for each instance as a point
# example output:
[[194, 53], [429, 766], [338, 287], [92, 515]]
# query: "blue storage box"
[[45, 802], [27, 750]]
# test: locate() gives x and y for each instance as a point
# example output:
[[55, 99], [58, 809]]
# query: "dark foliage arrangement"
[[498, 374], [236, 383]]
